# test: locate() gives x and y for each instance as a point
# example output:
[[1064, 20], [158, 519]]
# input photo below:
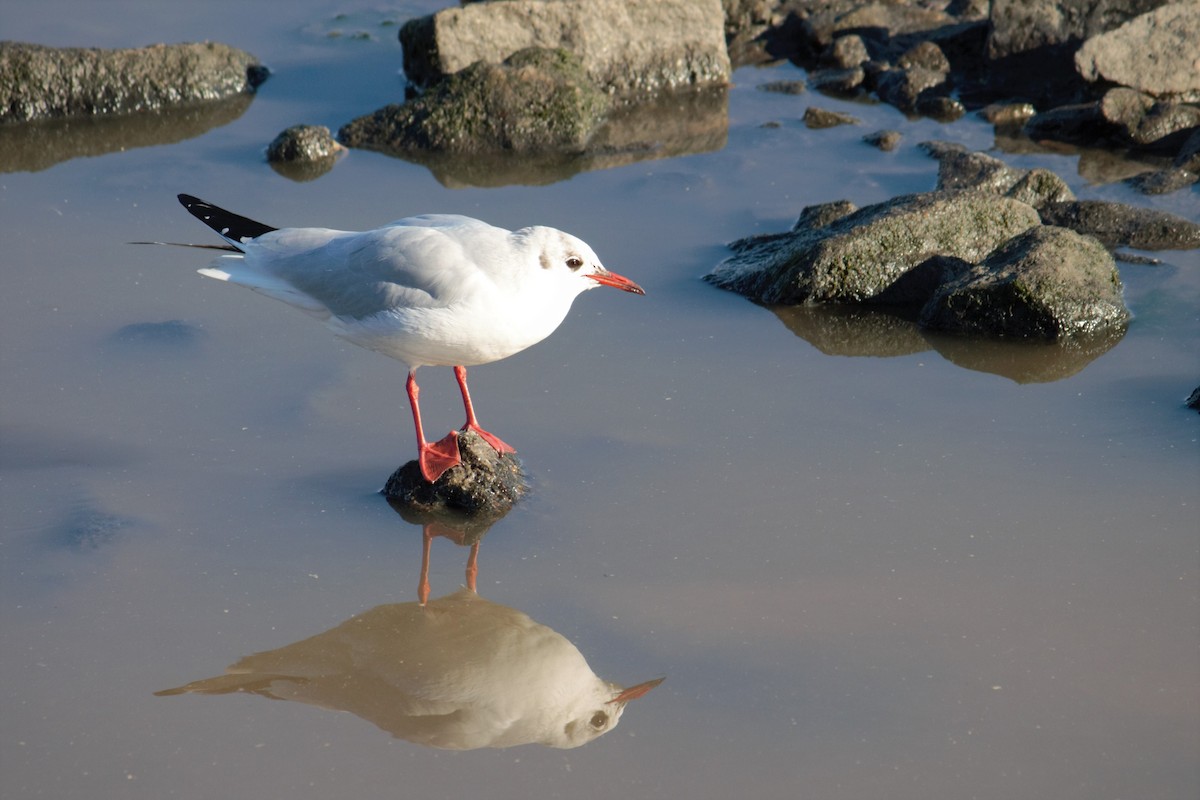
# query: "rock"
[[884, 140], [537, 101], [846, 52], [925, 55], [842, 82], [939, 107], [1047, 283], [1120, 225], [303, 143], [1163, 181], [913, 289], [959, 168], [818, 118], [1031, 43], [627, 49], [303, 152], [857, 257], [1080, 122], [782, 87], [39, 82], [820, 215], [1188, 156], [485, 485], [902, 87], [882, 19], [1193, 400], [1008, 115], [1157, 52], [1141, 122]]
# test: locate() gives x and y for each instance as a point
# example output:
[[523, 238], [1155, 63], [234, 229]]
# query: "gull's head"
[[570, 262], [600, 712]]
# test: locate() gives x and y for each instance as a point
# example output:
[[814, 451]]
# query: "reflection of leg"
[[473, 566], [472, 423], [439, 456], [423, 583]]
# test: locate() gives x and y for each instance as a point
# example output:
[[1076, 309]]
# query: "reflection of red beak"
[[634, 692], [616, 281]]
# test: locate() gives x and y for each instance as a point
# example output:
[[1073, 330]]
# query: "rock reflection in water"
[[671, 124], [35, 146], [853, 331], [458, 672]]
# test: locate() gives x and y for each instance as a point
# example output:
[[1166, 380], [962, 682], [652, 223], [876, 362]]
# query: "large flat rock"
[[626, 48]]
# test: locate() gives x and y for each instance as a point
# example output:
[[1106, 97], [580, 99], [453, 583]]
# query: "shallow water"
[[869, 562]]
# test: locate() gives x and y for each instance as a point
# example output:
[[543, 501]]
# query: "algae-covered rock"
[[38, 82], [857, 257], [536, 101], [1047, 283], [485, 485]]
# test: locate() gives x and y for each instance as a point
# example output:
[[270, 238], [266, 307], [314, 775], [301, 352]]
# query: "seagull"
[[430, 290]]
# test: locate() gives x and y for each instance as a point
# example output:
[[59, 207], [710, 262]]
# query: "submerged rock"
[[39, 82], [486, 484], [1047, 283], [857, 257]]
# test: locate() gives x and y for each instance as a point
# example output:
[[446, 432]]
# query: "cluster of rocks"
[[993, 250], [544, 82], [537, 80], [1111, 73]]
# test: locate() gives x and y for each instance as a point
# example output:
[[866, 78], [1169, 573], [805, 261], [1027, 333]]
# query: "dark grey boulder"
[[537, 101], [857, 257], [486, 484], [1121, 225], [1047, 283], [39, 82], [822, 214]]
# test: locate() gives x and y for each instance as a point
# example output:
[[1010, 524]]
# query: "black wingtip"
[[234, 228]]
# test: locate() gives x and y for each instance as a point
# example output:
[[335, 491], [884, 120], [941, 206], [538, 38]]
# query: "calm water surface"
[[870, 564]]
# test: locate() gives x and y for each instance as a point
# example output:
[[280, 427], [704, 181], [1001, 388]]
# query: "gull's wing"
[[419, 262]]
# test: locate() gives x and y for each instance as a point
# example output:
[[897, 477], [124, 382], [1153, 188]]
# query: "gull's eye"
[[574, 262], [599, 720]]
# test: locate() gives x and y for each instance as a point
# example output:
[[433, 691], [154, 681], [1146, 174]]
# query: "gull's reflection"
[[457, 672]]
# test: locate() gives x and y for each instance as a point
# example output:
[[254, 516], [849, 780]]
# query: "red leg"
[[423, 583], [473, 566], [439, 456], [473, 424]]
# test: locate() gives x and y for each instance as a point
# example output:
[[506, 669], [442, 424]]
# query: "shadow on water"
[[846, 331], [35, 146], [457, 672]]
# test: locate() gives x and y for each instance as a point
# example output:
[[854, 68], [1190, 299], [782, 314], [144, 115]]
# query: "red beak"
[[607, 278], [634, 692]]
